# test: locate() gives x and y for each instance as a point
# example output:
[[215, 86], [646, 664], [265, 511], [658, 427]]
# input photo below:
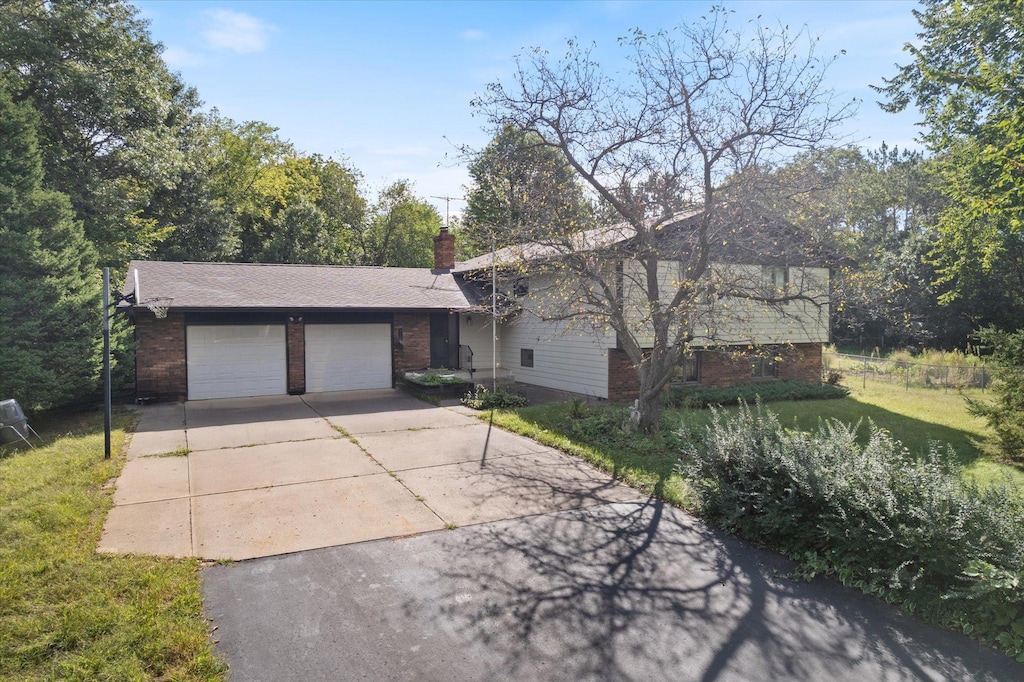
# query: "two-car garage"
[[239, 360]]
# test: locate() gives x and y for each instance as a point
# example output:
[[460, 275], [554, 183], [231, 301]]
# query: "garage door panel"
[[233, 361], [347, 357]]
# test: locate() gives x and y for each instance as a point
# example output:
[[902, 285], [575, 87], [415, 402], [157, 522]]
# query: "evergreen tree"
[[49, 291]]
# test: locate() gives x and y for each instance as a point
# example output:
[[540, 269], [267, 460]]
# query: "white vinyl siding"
[[744, 321], [564, 359], [234, 361], [477, 335], [738, 320], [347, 357]]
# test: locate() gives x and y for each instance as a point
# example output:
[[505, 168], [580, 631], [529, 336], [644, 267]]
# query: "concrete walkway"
[[254, 477]]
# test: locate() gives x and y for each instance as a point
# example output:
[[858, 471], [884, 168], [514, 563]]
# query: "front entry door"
[[444, 340]]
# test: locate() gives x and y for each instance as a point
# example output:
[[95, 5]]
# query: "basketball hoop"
[[159, 306]]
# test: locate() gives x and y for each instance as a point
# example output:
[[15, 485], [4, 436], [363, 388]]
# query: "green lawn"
[[67, 612], [916, 417]]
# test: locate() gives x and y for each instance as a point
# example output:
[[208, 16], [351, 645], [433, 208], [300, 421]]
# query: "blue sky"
[[388, 84]]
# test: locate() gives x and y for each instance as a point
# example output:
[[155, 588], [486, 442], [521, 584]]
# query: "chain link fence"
[[907, 374]]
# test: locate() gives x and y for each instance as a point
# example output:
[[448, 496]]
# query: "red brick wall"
[[623, 383], [720, 369], [801, 362], [415, 353], [296, 340], [160, 356], [444, 250]]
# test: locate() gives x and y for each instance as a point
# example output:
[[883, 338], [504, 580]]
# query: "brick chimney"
[[444, 250]]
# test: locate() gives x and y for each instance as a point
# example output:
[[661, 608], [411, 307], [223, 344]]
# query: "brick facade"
[[296, 341], [623, 383], [444, 250], [410, 342], [722, 369], [160, 356], [800, 362]]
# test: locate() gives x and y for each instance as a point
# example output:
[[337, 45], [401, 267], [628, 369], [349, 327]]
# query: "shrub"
[[914, 532], [1006, 414], [769, 391], [482, 399]]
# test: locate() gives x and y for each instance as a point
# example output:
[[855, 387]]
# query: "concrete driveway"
[[255, 477]]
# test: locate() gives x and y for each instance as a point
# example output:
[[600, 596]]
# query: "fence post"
[[945, 380], [864, 385]]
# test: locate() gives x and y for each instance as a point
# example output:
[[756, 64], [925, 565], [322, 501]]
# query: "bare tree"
[[677, 150]]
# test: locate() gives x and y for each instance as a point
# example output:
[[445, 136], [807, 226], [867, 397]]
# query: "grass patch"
[[917, 418], [648, 465], [67, 612]]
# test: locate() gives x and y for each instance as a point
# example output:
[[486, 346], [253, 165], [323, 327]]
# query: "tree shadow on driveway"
[[635, 591]]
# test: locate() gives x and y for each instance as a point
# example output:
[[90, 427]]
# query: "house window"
[[689, 370], [777, 278], [526, 357], [764, 368], [521, 288]]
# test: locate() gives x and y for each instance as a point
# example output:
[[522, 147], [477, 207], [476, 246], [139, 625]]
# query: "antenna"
[[447, 204]]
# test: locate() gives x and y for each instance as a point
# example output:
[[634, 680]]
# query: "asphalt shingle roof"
[[260, 285]]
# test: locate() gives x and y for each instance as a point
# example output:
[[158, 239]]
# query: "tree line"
[[107, 156]]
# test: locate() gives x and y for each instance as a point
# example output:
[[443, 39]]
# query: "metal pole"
[[106, 363], [494, 314]]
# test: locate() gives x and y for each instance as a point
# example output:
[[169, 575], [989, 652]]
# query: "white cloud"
[[236, 31], [180, 58], [472, 35]]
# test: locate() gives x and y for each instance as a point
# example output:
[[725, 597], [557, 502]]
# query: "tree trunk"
[[649, 406]]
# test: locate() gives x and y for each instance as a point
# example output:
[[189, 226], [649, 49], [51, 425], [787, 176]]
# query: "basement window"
[[526, 357], [689, 370], [764, 368]]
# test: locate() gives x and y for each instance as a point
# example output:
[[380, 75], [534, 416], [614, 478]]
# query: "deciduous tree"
[[400, 229], [702, 112], [519, 181], [965, 78]]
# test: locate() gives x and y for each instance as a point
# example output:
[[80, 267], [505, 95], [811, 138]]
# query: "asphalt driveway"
[[628, 591], [254, 477]]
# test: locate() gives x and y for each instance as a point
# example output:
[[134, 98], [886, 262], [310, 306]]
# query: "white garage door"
[[232, 361], [347, 357]]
